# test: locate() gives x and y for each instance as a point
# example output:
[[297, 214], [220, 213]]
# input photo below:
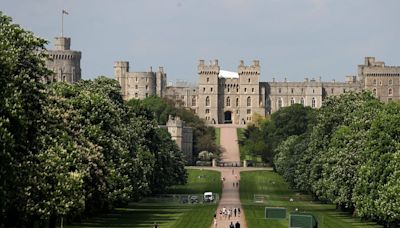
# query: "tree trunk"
[[53, 221]]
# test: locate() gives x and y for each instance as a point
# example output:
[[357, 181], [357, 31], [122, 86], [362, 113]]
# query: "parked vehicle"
[[194, 199], [208, 197]]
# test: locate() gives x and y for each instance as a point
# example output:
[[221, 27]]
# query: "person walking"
[[237, 224], [239, 211], [231, 225], [155, 225], [234, 211]]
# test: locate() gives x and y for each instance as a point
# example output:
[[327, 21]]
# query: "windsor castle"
[[234, 97], [222, 96]]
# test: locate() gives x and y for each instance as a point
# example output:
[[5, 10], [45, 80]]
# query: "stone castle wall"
[[224, 97], [139, 85]]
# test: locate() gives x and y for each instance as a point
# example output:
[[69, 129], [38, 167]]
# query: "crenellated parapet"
[[208, 69], [253, 69]]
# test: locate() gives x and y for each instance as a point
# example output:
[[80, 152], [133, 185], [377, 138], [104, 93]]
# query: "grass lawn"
[[278, 194], [166, 213], [218, 136]]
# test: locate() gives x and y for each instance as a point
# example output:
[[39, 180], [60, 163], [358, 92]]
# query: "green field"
[[165, 212], [277, 194], [218, 136]]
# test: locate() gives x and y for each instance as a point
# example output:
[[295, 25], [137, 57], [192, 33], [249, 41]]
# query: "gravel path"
[[230, 193]]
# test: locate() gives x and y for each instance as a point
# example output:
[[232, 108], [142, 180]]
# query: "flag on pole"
[[65, 12]]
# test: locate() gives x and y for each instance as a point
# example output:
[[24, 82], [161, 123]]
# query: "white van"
[[208, 197]]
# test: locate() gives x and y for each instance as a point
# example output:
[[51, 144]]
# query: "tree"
[[377, 192], [21, 93], [293, 120]]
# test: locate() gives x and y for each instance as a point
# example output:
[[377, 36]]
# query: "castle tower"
[[65, 63], [251, 100], [121, 69], [161, 82], [208, 102]]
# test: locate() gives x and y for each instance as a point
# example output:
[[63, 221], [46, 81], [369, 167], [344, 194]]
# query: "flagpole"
[[62, 23]]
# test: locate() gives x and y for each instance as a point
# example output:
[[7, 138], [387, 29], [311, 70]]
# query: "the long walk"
[[230, 193]]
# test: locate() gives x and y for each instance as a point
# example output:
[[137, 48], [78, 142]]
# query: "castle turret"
[[161, 81], [121, 69], [208, 91], [65, 63]]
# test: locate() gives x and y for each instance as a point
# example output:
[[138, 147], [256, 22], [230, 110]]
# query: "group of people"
[[228, 213], [237, 225]]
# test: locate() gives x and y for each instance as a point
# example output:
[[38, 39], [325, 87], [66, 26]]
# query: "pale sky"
[[292, 39]]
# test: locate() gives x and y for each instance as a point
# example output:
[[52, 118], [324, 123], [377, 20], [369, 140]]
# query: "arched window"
[[313, 102], [374, 91], [237, 102], [248, 101], [193, 101], [228, 101], [390, 92], [280, 103], [207, 101], [302, 101], [292, 101]]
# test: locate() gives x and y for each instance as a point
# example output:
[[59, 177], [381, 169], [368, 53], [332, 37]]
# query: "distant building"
[[139, 85], [234, 97], [64, 62], [182, 135]]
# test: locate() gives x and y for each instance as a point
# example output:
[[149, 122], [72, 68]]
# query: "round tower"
[[65, 63]]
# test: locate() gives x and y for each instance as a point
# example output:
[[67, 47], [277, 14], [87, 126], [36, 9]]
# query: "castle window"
[[245, 90], [291, 90], [344, 90], [292, 101], [193, 101], [302, 89], [374, 82], [207, 101], [207, 111], [136, 95], [136, 86], [390, 92], [280, 103], [147, 80], [252, 90], [248, 101], [248, 111], [390, 82], [380, 82], [302, 101], [147, 94], [374, 91], [313, 91], [228, 101], [204, 89], [279, 90], [332, 90], [136, 79], [208, 79], [211, 89], [237, 102], [237, 89], [147, 87], [313, 102], [249, 80], [228, 89]]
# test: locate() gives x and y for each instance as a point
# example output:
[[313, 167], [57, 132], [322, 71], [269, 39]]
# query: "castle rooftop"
[[227, 74]]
